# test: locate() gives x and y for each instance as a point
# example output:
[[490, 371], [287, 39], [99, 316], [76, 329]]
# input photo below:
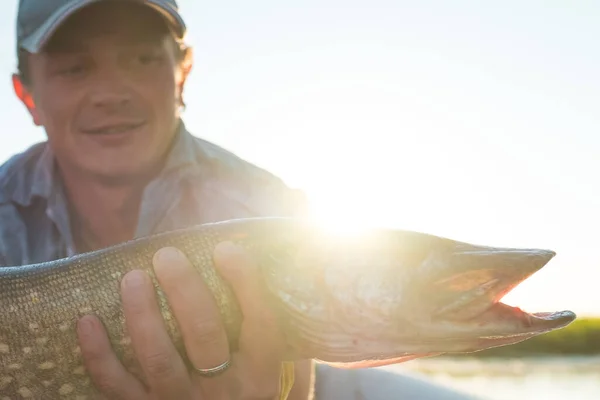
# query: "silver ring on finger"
[[215, 371]]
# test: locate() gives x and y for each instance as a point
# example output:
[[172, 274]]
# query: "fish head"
[[457, 296], [385, 295]]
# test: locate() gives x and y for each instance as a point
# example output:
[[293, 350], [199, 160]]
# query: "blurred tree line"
[[581, 337]]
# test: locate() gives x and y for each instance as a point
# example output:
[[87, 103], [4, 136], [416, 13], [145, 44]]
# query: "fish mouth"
[[505, 322], [468, 293]]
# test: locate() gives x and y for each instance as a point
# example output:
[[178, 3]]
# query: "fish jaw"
[[503, 325], [469, 280]]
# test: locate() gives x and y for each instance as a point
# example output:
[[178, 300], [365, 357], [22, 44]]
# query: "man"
[[105, 80]]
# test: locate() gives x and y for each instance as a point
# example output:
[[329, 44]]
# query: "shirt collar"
[[43, 176], [182, 152]]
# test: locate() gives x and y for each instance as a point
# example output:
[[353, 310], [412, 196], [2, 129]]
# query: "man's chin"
[[119, 172]]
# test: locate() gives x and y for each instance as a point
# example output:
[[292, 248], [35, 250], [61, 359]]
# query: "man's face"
[[107, 91]]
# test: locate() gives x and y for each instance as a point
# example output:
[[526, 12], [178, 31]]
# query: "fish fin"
[[377, 363]]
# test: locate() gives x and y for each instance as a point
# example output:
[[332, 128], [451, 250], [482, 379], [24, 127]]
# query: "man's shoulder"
[[18, 174], [244, 178], [228, 166]]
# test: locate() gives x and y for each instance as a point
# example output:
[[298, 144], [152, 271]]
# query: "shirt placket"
[[57, 212], [158, 199]]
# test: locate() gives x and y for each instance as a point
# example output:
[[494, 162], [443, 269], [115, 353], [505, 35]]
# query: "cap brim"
[[36, 41]]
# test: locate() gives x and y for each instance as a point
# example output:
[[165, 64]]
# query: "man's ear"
[[185, 69], [23, 93]]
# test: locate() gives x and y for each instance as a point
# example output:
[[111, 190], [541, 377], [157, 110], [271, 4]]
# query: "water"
[[548, 378]]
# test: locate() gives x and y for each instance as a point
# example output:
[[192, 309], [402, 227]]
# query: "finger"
[[105, 370], [163, 367], [260, 339], [194, 307], [260, 336]]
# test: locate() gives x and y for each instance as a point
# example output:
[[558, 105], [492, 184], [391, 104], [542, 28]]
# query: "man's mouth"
[[114, 129]]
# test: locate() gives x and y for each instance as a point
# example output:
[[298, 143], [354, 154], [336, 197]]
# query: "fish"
[[380, 297]]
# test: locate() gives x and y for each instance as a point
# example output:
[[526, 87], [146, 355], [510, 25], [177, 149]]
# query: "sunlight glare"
[[340, 225], [340, 218]]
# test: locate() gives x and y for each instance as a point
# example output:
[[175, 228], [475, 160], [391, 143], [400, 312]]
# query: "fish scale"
[[385, 312]]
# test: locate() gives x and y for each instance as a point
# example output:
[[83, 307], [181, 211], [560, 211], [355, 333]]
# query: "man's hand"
[[255, 369]]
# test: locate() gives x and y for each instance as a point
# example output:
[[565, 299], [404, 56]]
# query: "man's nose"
[[111, 89], [111, 97]]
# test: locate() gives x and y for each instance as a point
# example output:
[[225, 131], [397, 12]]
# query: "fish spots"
[[4, 348], [25, 393], [66, 389], [5, 381], [125, 341], [79, 370], [27, 350], [166, 313], [63, 327], [35, 297], [116, 275], [46, 365]]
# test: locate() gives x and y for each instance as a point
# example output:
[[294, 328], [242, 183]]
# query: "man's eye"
[[72, 70], [148, 58]]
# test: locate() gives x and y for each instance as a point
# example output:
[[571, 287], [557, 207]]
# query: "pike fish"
[[381, 297]]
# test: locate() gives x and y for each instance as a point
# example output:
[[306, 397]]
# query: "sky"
[[472, 120]]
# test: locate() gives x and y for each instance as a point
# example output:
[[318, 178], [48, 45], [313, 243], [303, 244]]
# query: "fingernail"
[[134, 279], [227, 250], [169, 260], [169, 255], [85, 325]]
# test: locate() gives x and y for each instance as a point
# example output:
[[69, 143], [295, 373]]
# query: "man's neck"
[[102, 215]]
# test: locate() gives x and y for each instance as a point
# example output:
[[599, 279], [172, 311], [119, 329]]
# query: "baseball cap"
[[37, 20]]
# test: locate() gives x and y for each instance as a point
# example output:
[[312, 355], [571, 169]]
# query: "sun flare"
[[346, 215]]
